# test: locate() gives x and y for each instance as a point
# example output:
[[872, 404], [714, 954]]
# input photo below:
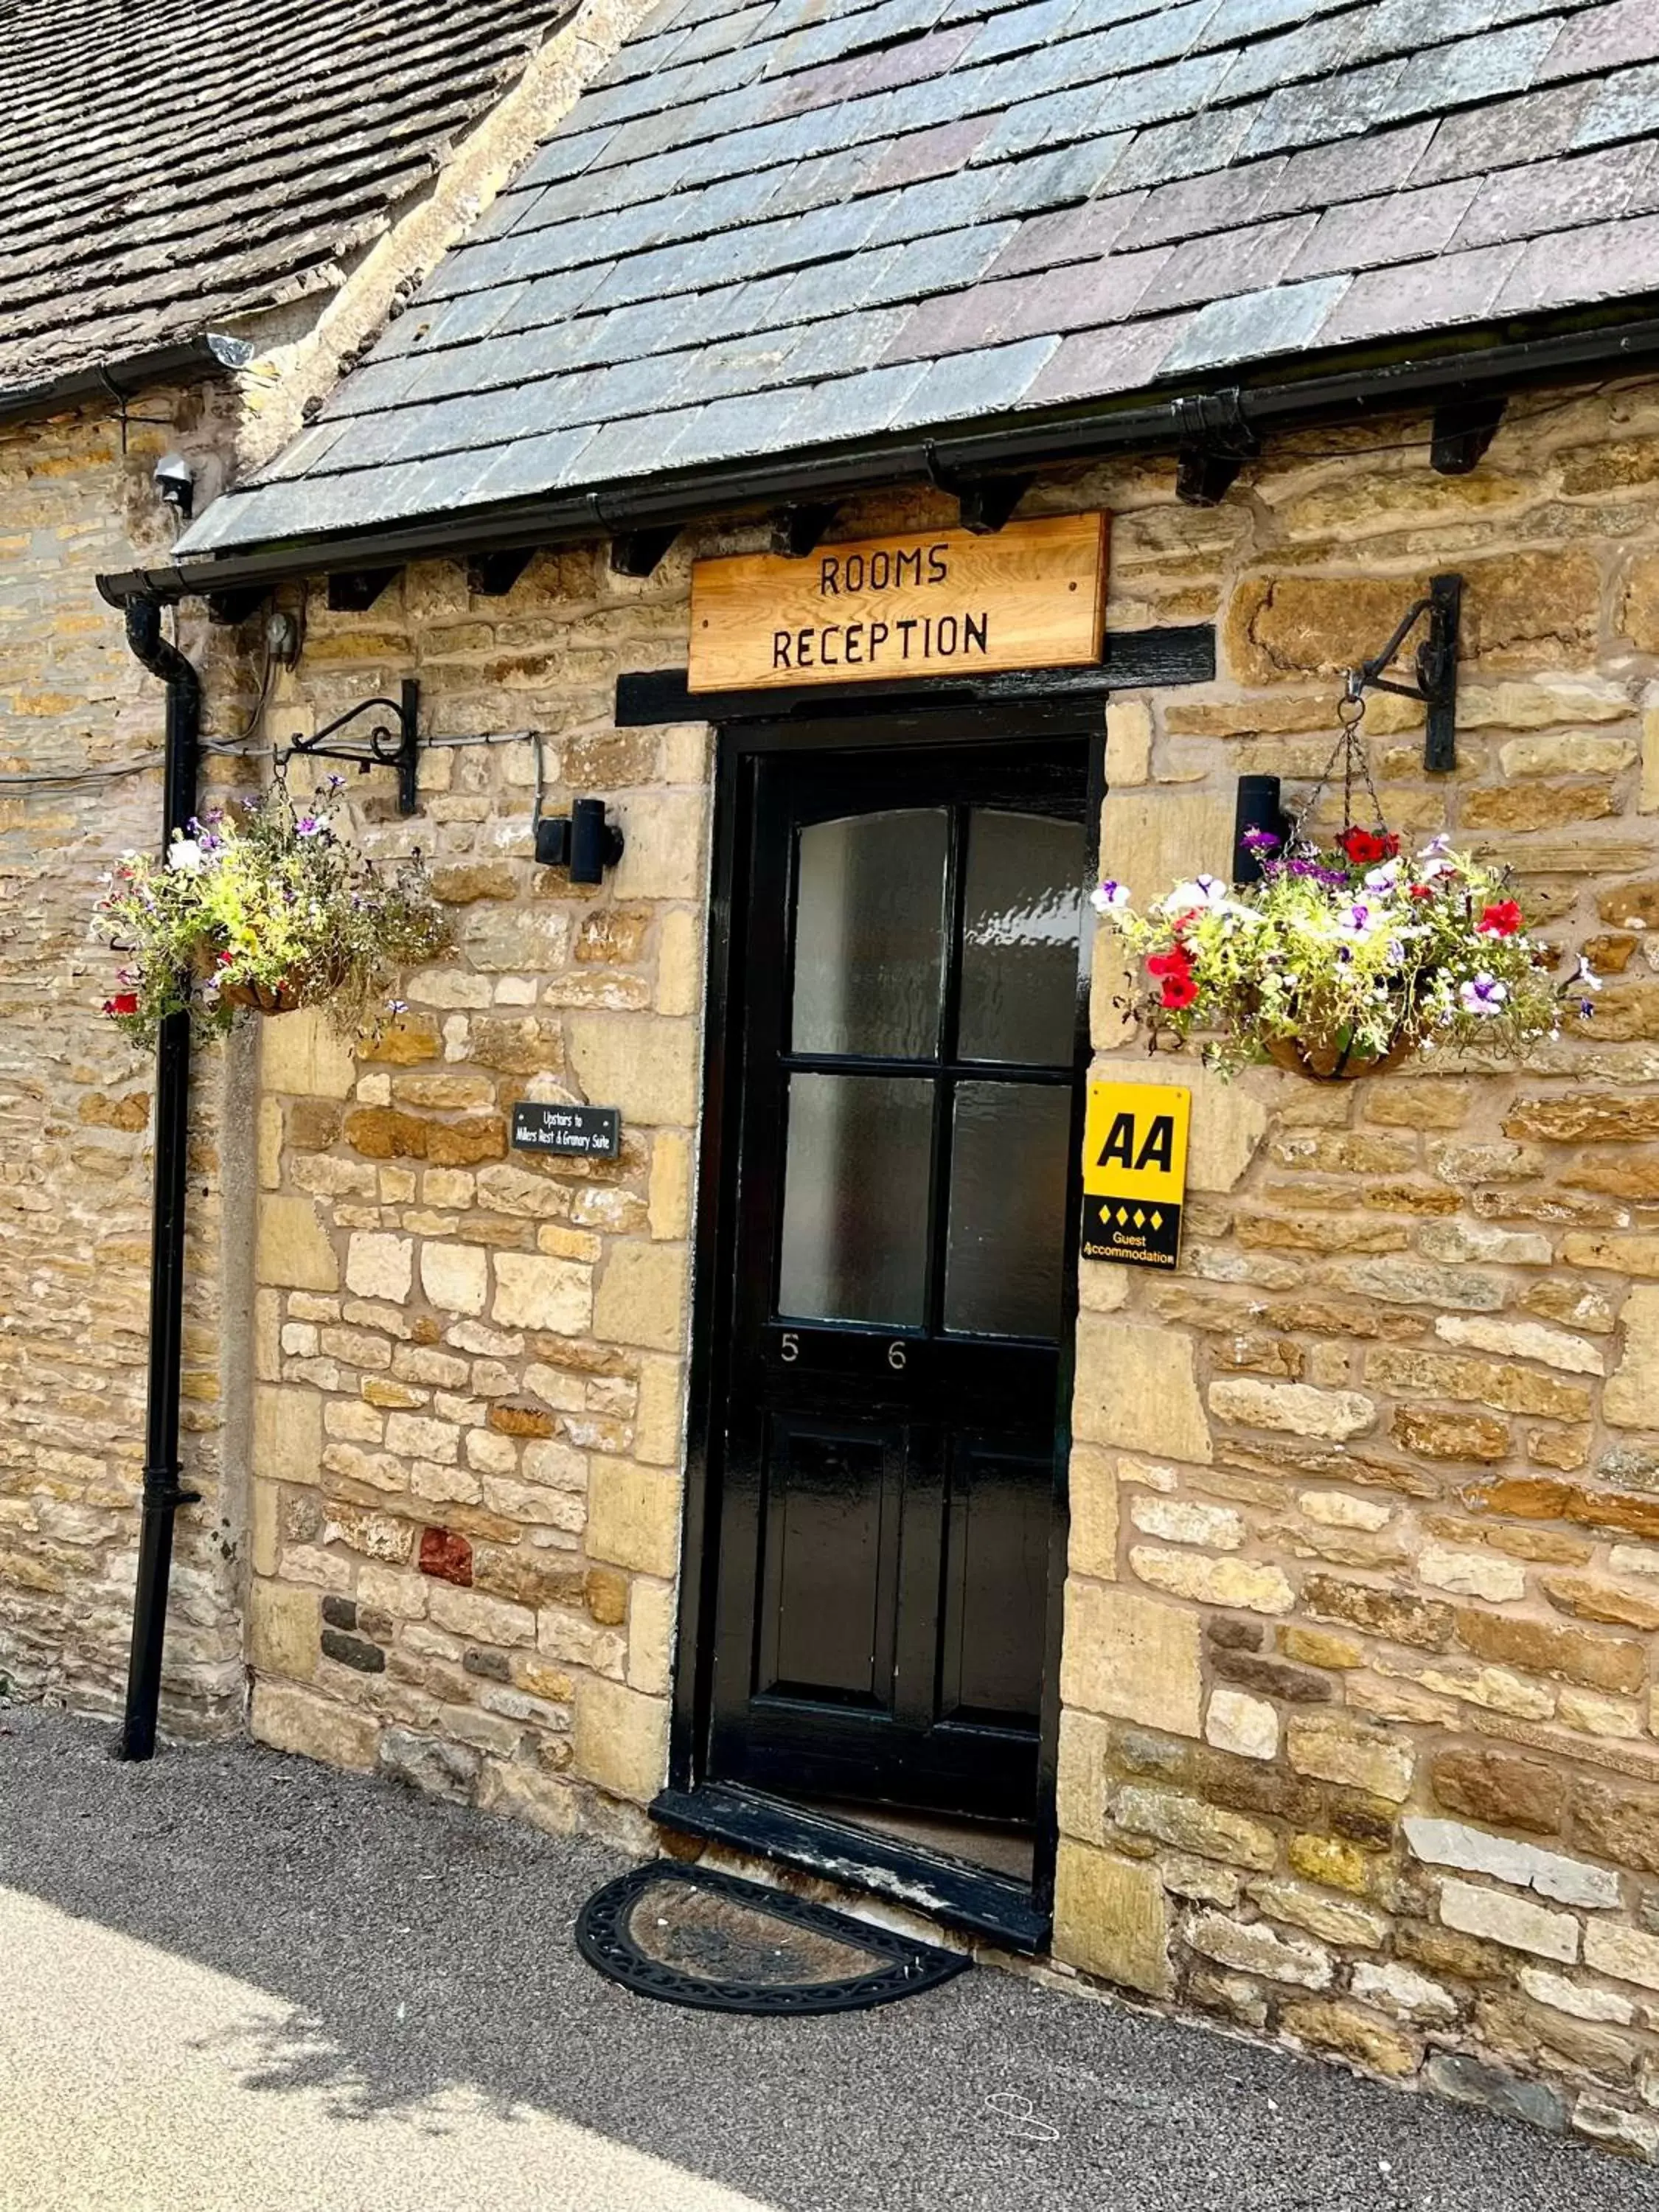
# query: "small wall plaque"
[[1135, 1173], [583, 1133]]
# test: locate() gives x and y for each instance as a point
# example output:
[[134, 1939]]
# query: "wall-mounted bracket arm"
[[1435, 665], [393, 744]]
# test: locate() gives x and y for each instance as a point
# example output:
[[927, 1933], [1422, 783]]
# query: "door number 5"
[[895, 1356], [789, 1351]]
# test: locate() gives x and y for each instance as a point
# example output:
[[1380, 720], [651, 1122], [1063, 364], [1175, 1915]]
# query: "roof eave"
[[1467, 362], [190, 360]]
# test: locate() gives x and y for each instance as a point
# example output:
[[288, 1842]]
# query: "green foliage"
[[264, 907], [1342, 958]]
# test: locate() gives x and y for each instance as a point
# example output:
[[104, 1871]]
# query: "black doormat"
[[691, 1936]]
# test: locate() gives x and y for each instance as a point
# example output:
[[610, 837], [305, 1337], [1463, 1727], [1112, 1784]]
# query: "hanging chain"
[[1349, 751]]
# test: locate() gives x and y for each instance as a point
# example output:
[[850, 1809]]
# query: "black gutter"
[[212, 355], [1478, 366], [162, 1496]]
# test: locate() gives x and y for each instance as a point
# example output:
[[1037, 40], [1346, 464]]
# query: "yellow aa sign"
[[1135, 1173]]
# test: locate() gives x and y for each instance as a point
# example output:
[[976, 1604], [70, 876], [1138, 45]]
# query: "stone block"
[[1256, 1585], [1128, 742], [430, 1763], [1185, 1521], [1111, 1918], [1510, 1792], [1293, 1408], [669, 1204], [1086, 1744], [634, 1516], [1332, 1749], [292, 1249], [1522, 1340], [455, 1276], [644, 1065], [679, 963], [305, 1055], [662, 853], [1151, 838], [642, 1296], [1541, 1647], [1580, 2000], [292, 1719], [288, 1433], [651, 1617], [282, 1630], [1618, 1825], [1469, 2081], [1400, 1990], [1247, 1726], [1094, 1513], [1132, 1657], [380, 1267], [1471, 1574], [1524, 1866], [1136, 1388], [1361, 2037], [1252, 1947], [1497, 1917], [535, 1292], [1189, 1824], [519, 1793], [470, 1614], [1630, 1400], [621, 1739], [1624, 1954]]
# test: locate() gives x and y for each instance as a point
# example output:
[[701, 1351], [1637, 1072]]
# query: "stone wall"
[[1359, 1747], [76, 497]]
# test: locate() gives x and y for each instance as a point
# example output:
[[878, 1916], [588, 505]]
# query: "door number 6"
[[895, 1356]]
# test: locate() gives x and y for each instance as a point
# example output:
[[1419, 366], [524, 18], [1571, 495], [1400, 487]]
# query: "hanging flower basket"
[[262, 910], [1343, 960]]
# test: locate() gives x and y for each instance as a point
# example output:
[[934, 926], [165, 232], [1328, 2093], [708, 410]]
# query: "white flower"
[[1109, 897], [1354, 921], [185, 855], [1383, 879], [1586, 979], [1435, 846], [1203, 892]]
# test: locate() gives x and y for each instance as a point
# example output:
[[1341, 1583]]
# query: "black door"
[[905, 1044]]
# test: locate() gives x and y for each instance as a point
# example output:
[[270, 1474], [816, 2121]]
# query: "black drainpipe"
[[162, 1495]]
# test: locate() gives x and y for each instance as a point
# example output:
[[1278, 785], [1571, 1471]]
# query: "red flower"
[[1365, 847], [1502, 920], [1176, 961], [1179, 990], [123, 1002], [1421, 891]]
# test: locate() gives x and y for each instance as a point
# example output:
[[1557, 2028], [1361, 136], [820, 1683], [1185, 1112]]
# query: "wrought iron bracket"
[[386, 745], [1216, 442], [799, 530], [1463, 429], [1437, 669]]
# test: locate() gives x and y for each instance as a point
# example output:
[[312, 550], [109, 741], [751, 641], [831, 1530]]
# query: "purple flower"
[[1261, 841], [307, 825], [1483, 994]]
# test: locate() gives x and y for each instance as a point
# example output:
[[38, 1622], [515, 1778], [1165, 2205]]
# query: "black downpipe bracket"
[[162, 1496]]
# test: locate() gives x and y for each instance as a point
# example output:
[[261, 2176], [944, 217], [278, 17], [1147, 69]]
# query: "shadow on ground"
[[426, 1948]]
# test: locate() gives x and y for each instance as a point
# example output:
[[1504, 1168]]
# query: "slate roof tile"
[[1401, 226], [1555, 196], [1453, 288], [795, 222], [1283, 320]]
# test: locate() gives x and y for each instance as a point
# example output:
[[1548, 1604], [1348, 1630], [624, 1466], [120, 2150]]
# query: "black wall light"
[[583, 841], [1259, 807]]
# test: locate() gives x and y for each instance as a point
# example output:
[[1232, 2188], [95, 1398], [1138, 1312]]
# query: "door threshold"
[[969, 1898]]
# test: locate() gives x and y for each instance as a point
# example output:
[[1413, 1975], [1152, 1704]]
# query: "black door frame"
[[945, 722]]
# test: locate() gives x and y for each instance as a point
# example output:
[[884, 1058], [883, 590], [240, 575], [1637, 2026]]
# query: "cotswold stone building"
[[1271, 1634], [223, 230]]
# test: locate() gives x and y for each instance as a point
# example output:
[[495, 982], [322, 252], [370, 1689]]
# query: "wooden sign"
[[941, 603], [582, 1133], [1135, 1173]]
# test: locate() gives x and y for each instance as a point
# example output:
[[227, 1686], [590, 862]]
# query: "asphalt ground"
[[232, 1981]]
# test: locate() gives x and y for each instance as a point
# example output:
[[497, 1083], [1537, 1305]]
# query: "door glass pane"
[[870, 934], [1008, 1175], [855, 1199], [1019, 952]]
